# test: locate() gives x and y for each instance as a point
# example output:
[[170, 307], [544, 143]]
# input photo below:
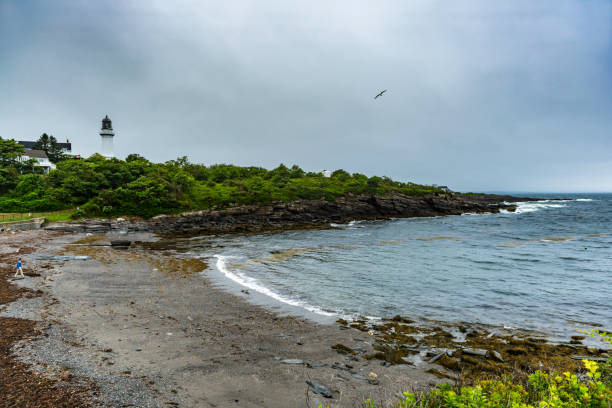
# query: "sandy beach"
[[147, 327]]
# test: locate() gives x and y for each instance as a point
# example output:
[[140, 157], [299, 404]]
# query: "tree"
[[133, 157], [10, 151], [42, 143], [51, 147]]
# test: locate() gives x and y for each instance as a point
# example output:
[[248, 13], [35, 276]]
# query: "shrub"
[[542, 391]]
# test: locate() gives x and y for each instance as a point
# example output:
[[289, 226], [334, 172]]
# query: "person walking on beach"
[[19, 270]]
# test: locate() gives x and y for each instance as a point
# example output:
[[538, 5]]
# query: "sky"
[[482, 95]]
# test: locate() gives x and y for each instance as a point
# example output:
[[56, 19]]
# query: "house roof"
[[29, 145], [35, 153]]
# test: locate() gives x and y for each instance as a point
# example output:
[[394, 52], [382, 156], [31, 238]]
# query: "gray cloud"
[[483, 95]]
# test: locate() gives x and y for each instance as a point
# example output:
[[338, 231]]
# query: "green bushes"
[[541, 391], [110, 187]]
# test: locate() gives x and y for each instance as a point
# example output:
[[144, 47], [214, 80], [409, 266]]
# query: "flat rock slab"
[[475, 352], [292, 361], [598, 359], [61, 258]]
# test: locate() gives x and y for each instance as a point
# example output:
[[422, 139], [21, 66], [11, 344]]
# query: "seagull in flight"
[[380, 94]]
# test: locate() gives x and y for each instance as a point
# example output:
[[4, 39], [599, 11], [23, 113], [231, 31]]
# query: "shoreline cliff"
[[302, 214]]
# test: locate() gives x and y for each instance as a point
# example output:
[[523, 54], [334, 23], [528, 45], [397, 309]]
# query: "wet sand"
[[151, 330]]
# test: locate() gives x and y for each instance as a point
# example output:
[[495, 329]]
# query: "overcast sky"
[[482, 95]]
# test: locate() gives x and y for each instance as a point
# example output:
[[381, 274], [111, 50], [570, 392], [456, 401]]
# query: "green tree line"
[[136, 186]]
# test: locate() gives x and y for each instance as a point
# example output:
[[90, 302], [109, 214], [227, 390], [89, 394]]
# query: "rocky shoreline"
[[301, 214], [144, 327]]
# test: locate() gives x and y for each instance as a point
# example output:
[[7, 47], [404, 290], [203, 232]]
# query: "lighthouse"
[[107, 134]]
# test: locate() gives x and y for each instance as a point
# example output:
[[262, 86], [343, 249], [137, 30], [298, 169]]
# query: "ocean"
[[546, 267]]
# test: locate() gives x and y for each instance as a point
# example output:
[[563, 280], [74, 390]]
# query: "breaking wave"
[[532, 206], [253, 284]]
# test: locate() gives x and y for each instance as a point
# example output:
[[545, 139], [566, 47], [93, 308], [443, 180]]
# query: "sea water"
[[547, 266]]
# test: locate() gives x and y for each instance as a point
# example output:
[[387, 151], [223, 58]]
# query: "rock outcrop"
[[302, 214]]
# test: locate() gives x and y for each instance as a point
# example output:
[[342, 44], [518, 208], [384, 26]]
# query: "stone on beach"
[[320, 389], [494, 355]]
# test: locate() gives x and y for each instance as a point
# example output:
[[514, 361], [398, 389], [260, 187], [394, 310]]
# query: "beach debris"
[[373, 379], [245, 291], [190, 318], [359, 377], [320, 389], [277, 358], [292, 361]]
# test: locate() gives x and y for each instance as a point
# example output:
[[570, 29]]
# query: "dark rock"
[[320, 389], [124, 243], [339, 366], [301, 214], [316, 365]]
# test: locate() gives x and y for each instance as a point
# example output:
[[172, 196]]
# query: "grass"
[[52, 216]]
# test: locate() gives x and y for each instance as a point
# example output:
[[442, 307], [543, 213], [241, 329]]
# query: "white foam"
[[532, 206], [252, 283], [584, 199], [349, 224]]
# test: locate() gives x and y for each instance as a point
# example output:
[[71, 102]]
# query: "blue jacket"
[[18, 264]]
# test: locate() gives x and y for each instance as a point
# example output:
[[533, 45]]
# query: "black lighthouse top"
[[107, 124]]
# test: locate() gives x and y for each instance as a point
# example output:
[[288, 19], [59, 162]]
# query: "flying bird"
[[380, 94]]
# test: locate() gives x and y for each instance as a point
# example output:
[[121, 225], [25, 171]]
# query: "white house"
[[326, 173], [41, 159]]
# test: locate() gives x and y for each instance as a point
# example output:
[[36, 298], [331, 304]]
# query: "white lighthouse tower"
[[107, 134]]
